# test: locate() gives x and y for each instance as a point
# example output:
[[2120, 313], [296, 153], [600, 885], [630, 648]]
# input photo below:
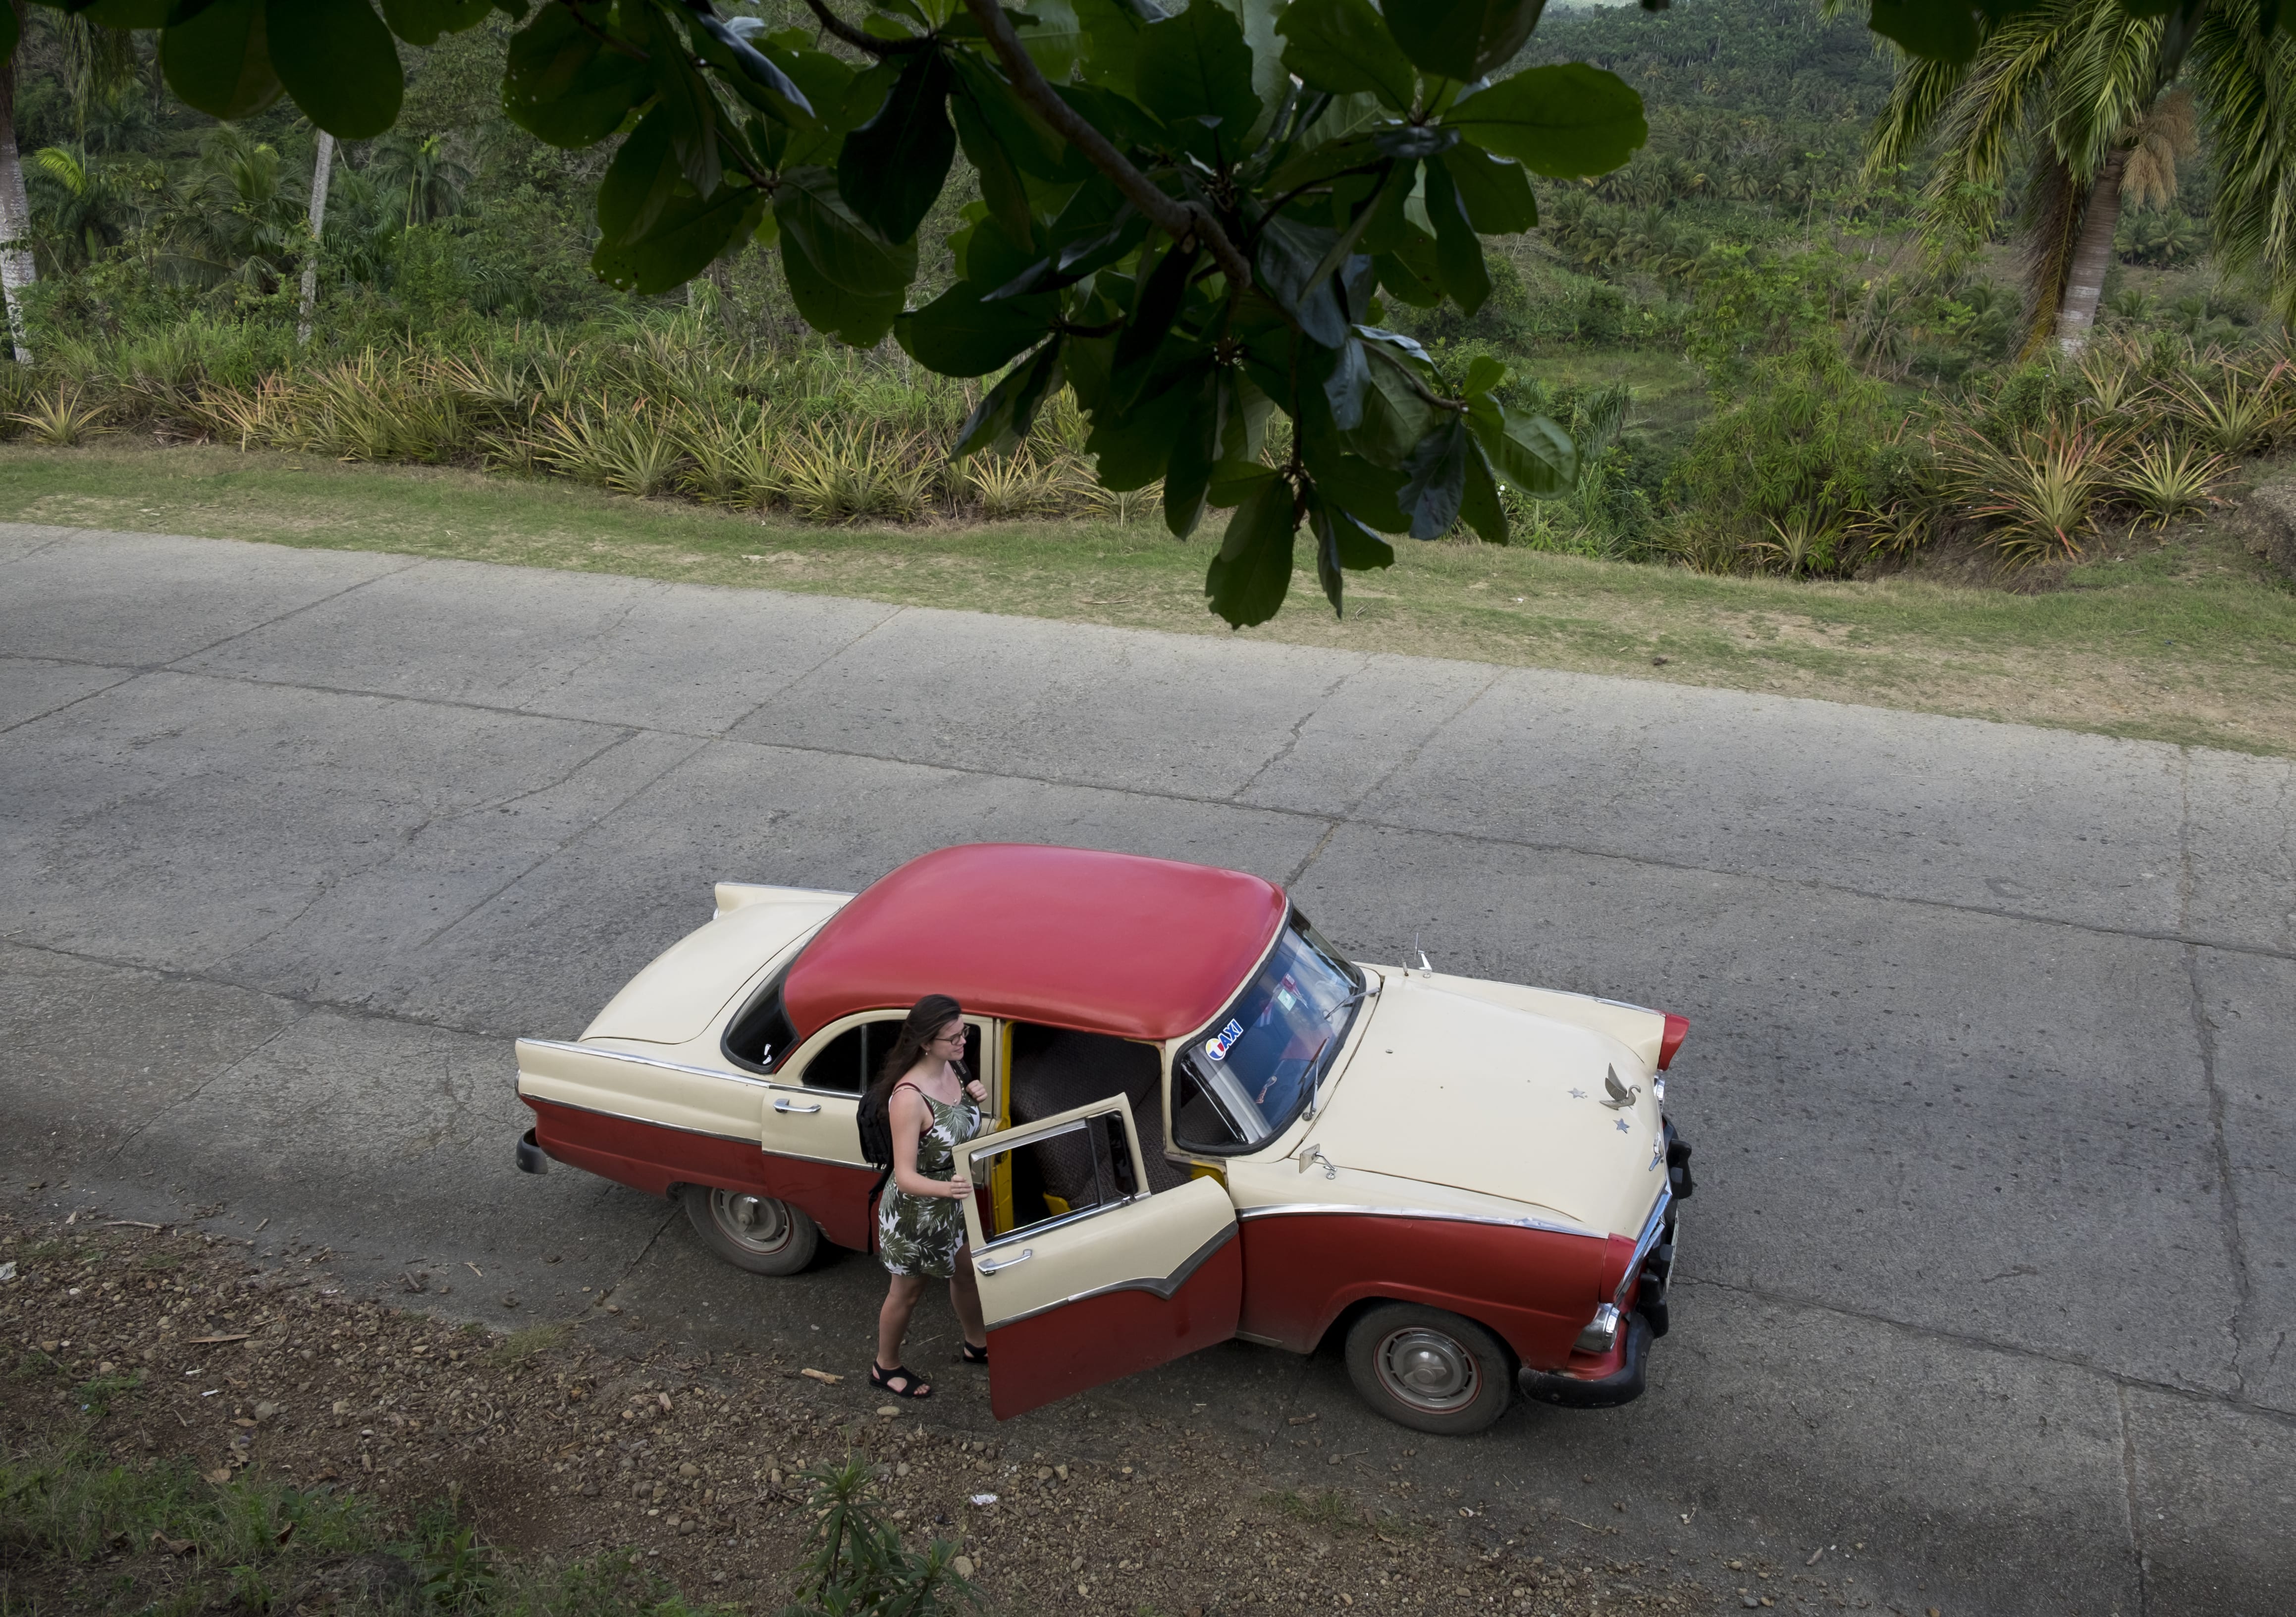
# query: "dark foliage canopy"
[[1191, 219]]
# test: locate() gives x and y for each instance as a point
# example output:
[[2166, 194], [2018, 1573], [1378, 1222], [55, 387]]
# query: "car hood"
[[1451, 1085]]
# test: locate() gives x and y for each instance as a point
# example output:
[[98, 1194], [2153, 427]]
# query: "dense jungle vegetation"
[[1770, 357]]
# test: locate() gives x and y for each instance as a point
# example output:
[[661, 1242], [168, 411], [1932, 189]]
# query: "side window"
[[762, 1035], [848, 1063], [1079, 1167]]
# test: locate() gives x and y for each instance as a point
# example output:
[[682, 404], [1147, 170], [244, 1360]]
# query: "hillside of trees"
[[1848, 386]]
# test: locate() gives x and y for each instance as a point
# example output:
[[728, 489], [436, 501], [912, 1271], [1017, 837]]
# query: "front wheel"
[[752, 1232], [1430, 1370]]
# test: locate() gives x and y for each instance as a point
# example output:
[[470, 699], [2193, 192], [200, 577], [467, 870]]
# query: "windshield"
[[1248, 1077]]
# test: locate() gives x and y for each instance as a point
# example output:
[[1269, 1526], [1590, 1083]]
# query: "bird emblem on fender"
[[1622, 1095]]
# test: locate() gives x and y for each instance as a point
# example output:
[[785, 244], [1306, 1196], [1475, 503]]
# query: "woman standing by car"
[[932, 1106]]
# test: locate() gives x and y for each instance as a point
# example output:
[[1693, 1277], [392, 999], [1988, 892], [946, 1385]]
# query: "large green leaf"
[[561, 85], [957, 334], [639, 181], [421, 22], [810, 207], [1435, 479], [1495, 192], [150, 13], [1478, 497], [1291, 253], [1248, 580], [1462, 40], [1002, 419], [1053, 37], [846, 279], [1344, 47], [1343, 544], [1943, 30], [684, 238], [219, 61], [1188, 476], [1458, 250], [1567, 121], [1529, 453], [692, 107], [338, 63], [1196, 67], [1134, 444], [891, 168]]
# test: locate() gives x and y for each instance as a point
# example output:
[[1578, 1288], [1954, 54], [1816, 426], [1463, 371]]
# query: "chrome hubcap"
[[758, 1223], [1428, 1370]]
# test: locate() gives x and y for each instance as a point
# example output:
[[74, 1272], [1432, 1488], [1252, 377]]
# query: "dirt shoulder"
[[167, 1350], [2191, 641]]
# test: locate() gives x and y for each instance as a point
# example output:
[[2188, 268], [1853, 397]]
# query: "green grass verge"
[[2192, 641]]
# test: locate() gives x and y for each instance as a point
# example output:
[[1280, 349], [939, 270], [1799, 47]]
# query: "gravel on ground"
[[562, 1440]]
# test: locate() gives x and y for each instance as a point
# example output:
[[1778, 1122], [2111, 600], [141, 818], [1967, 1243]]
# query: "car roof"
[[1106, 942]]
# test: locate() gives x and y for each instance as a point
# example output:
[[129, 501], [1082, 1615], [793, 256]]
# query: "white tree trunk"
[[321, 173], [17, 270], [2092, 258]]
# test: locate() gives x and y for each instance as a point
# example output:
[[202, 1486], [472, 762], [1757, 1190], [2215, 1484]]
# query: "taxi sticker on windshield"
[[1221, 1043]]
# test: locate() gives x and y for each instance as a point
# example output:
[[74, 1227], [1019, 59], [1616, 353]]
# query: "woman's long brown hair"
[[926, 1018]]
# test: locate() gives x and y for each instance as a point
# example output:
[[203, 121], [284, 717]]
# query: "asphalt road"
[[1988, 1068]]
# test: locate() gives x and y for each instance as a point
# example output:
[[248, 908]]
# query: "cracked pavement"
[[1988, 1071]]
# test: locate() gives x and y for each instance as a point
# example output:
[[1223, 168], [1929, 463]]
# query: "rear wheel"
[[752, 1232], [1430, 1370]]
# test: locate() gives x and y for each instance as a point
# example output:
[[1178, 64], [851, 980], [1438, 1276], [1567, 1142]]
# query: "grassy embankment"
[[2190, 642]]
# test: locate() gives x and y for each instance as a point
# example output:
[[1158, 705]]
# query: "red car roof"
[[1106, 942]]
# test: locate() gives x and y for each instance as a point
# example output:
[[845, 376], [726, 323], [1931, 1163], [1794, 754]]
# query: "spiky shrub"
[[2234, 410], [2037, 500], [2165, 480], [61, 419]]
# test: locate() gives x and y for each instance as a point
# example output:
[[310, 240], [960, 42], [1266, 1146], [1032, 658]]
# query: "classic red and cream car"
[[1208, 1123]]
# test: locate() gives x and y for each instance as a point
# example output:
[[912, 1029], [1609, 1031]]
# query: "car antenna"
[[1423, 965]]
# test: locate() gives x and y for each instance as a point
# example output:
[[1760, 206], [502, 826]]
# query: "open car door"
[[1090, 1277]]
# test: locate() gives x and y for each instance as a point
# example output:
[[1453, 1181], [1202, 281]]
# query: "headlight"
[[1600, 1331]]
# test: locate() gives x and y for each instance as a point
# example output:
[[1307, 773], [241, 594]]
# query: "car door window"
[[1079, 1169], [848, 1063]]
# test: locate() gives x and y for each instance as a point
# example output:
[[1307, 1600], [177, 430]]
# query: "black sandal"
[[912, 1385], [973, 1355]]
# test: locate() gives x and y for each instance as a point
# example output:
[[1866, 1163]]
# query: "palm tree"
[[236, 220], [90, 212], [2090, 96], [424, 170], [17, 272]]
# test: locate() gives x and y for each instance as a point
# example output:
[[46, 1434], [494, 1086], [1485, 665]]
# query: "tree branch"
[[860, 41], [1180, 220]]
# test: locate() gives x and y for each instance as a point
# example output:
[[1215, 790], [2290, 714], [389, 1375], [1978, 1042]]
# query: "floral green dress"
[[921, 1235]]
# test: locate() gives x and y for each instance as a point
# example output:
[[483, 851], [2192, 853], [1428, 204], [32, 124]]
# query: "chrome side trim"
[[1161, 1290], [573, 1049], [679, 1066], [707, 1133], [1287, 1208], [1652, 1229]]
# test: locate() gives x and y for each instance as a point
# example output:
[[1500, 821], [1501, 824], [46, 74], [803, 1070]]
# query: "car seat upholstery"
[[1055, 1069]]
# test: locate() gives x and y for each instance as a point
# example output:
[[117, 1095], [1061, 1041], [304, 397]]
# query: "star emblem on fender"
[[1623, 1129], [1577, 1094]]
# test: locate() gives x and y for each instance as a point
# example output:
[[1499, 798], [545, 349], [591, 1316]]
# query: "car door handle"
[[781, 1103], [987, 1268]]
